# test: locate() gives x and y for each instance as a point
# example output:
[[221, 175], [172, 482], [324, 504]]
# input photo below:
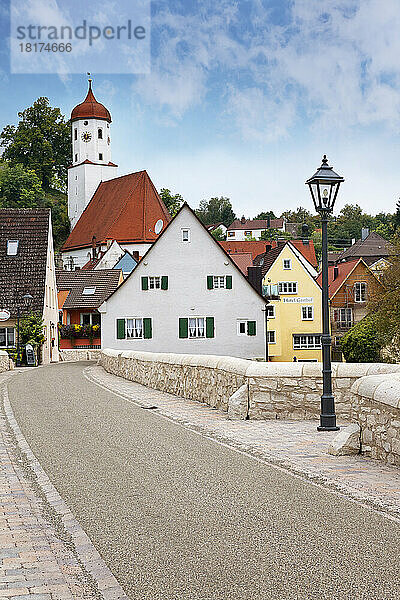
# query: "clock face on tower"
[[86, 136]]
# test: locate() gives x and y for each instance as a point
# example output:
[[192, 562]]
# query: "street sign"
[[4, 315], [30, 356]]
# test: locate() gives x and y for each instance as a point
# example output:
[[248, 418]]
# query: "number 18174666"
[[45, 47]]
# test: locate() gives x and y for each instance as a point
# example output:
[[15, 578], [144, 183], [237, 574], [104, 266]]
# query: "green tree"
[[31, 332], [173, 202], [218, 234], [301, 215], [40, 142], [269, 214], [19, 187], [274, 234], [216, 210], [58, 202], [396, 217]]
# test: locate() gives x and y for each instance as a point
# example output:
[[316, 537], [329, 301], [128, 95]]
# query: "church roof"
[[90, 108], [125, 209]]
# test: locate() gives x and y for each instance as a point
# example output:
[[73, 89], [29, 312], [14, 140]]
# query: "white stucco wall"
[[240, 236], [82, 255], [187, 265], [50, 307]]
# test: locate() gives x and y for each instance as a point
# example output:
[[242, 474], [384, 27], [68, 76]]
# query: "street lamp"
[[324, 186], [27, 298]]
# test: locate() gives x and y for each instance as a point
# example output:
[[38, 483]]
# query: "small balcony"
[[270, 291]]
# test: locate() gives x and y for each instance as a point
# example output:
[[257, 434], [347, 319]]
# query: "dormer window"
[[12, 247], [100, 134], [89, 291]]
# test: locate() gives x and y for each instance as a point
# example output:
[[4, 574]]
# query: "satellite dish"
[[158, 226]]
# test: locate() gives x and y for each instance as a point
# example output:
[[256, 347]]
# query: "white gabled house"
[[186, 296]]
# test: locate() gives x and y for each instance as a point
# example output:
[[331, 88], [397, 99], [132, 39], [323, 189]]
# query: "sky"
[[243, 99]]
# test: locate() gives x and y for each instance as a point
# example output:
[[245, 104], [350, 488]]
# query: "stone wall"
[[275, 390], [368, 394], [76, 355], [6, 364], [375, 402]]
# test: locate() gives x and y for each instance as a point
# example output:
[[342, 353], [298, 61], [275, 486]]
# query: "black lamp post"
[[324, 186], [27, 298]]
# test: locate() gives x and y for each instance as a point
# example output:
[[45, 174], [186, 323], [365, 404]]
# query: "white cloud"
[[333, 64]]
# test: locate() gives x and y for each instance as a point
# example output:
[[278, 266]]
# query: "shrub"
[[362, 344]]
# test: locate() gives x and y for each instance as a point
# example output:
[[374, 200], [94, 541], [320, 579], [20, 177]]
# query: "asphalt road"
[[178, 516]]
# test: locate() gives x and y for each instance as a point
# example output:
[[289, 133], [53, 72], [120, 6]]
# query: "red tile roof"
[[307, 250], [125, 209], [258, 247], [254, 247], [344, 269], [243, 261], [90, 108], [255, 224]]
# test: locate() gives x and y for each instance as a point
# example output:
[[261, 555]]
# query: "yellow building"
[[295, 314]]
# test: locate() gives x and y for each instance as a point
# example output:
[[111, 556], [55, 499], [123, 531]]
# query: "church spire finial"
[[90, 80]]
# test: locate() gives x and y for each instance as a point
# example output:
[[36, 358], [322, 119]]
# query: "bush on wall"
[[362, 344]]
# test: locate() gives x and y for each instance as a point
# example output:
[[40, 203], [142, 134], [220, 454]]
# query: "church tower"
[[91, 154]]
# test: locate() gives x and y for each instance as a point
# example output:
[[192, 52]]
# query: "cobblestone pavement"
[[44, 553], [293, 445]]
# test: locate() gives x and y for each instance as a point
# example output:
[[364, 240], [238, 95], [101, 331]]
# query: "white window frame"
[[269, 306], [306, 341], [246, 326], [219, 281], [287, 260], [196, 330], [343, 312], [230, 233], [183, 231], [7, 333], [307, 309], [90, 318], [90, 290], [357, 291], [288, 284], [12, 247], [136, 331], [270, 332], [154, 282], [248, 233]]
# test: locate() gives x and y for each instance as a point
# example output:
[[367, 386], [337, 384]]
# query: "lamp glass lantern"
[[324, 187]]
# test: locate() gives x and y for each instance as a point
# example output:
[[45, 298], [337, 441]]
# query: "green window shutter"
[[120, 329], [183, 328], [147, 329], [229, 282], [210, 327], [145, 283], [210, 282], [164, 282], [251, 328]]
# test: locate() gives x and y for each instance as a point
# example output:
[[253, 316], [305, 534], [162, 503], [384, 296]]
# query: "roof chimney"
[[335, 272], [94, 252], [243, 220], [254, 277], [135, 255], [364, 233]]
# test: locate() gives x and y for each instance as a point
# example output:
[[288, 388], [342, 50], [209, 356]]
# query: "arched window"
[[100, 133]]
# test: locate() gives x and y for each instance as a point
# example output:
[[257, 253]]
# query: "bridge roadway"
[[177, 516]]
